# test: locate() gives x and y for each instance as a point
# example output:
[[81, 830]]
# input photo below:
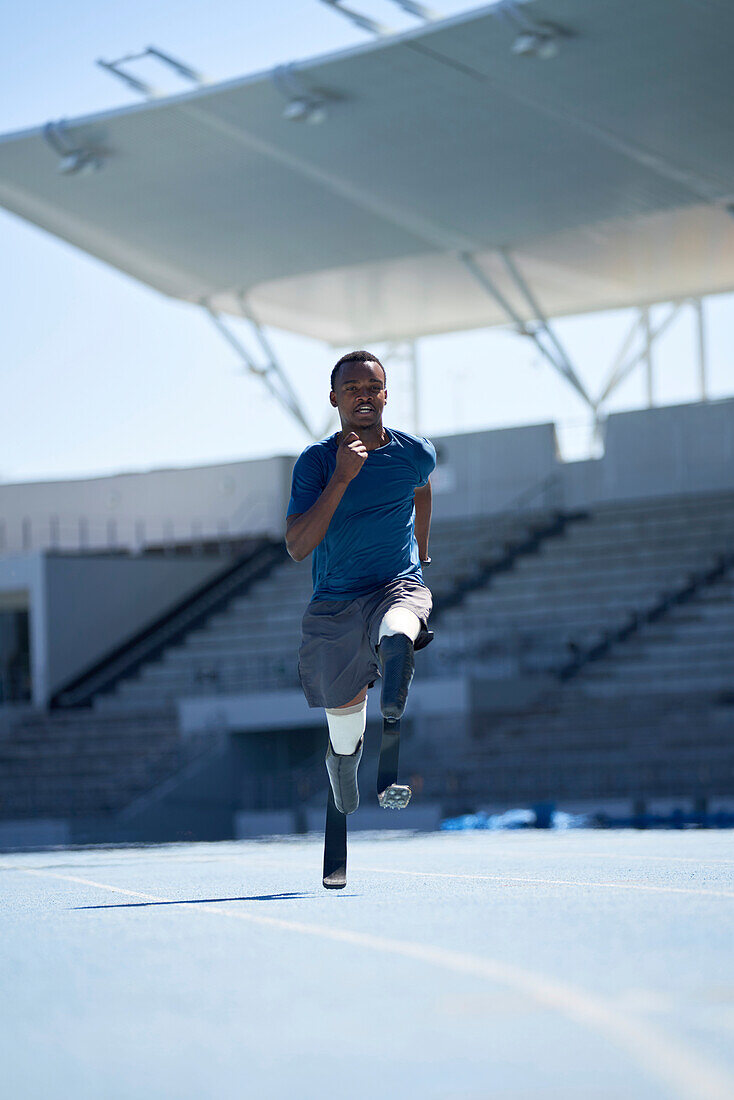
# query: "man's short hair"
[[356, 357]]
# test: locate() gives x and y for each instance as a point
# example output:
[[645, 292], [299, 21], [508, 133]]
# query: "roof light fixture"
[[541, 44], [303, 104], [74, 159], [534, 38]]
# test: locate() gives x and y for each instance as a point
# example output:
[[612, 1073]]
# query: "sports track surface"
[[581, 965]]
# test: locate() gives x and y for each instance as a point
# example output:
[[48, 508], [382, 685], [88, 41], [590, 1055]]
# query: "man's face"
[[360, 395]]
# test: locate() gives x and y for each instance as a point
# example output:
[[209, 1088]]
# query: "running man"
[[361, 502]]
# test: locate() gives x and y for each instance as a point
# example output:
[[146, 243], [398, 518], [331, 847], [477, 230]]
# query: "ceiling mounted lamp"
[[536, 43], [303, 104], [533, 38], [74, 159], [305, 110]]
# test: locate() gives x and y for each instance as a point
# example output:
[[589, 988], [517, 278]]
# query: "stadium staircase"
[[77, 764], [570, 747], [642, 599], [684, 642], [625, 617], [234, 580], [251, 644], [595, 584]]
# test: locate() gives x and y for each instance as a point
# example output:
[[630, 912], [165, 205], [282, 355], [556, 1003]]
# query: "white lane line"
[[619, 856], [545, 854], [701, 861], [255, 859], [551, 881], [643, 886], [688, 1074]]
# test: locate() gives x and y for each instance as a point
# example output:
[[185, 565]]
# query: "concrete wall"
[[82, 606], [131, 510], [480, 473], [668, 451]]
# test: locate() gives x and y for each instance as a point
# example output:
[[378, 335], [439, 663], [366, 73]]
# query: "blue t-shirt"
[[371, 538]]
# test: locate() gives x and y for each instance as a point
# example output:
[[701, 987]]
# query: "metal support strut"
[[625, 363], [272, 375], [555, 354], [366, 23]]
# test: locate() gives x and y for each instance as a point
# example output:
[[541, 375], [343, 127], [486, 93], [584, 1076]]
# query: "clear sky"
[[100, 374]]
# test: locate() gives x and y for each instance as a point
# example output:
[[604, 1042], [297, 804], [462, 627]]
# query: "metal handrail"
[[64, 532]]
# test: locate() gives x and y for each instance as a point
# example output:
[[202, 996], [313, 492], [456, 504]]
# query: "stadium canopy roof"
[[447, 172]]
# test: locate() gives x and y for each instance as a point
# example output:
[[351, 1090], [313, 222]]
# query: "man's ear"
[[386, 397], [332, 398]]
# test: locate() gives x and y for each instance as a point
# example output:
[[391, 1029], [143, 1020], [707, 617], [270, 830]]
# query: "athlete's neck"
[[373, 437]]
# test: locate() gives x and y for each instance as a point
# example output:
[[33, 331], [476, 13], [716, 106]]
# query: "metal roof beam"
[[272, 376], [619, 360], [364, 22], [567, 370], [624, 366], [554, 354]]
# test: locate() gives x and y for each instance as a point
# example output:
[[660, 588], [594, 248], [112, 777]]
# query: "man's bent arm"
[[423, 504], [306, 530]]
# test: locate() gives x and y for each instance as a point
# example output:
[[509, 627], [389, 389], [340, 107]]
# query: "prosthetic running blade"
[[335, 847]]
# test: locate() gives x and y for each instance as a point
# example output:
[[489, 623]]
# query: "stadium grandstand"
[[583, 651], [584, 610]]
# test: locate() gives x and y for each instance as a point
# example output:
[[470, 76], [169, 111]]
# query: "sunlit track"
[[682, 1070], [508, 981]]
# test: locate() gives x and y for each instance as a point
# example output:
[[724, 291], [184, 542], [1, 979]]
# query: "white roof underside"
[[605, 171]]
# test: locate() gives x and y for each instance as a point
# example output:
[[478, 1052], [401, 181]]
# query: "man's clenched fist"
[[350, 457]]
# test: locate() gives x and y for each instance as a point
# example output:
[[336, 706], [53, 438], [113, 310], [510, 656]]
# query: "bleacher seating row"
[[587, 583], [569, 747], [650, 713], [252, 646], [78, 763]]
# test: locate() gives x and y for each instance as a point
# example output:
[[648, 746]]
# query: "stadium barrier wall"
[[670, 450], [81, 606], [481, 473], [156, 507]]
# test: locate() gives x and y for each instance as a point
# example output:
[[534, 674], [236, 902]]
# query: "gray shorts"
[[338, 654]]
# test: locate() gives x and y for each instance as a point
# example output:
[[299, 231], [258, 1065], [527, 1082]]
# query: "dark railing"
[[169, 628], [538, 531], [127, 534], [660, 607]]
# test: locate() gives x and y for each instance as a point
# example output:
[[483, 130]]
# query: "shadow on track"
[[193, 901]]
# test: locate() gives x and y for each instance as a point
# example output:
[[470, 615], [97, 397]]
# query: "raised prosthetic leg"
[[397, 662]]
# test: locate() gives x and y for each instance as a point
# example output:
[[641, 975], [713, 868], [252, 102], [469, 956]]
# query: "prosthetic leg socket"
[[397, 662], [343, 777]]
